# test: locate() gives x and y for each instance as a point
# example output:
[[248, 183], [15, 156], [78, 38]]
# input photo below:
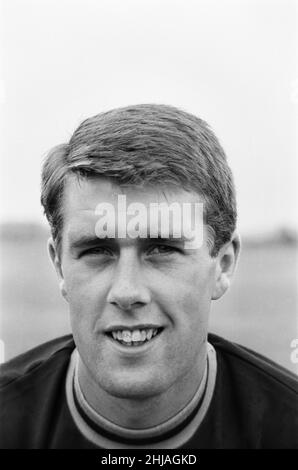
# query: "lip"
[[142, 326], [135, 350]]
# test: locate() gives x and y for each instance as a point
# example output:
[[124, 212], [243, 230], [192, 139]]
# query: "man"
[[140, 370]]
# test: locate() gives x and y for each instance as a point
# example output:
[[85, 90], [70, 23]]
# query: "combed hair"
[[144, 145]]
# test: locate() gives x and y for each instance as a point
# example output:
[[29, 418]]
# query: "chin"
[[134, 388]]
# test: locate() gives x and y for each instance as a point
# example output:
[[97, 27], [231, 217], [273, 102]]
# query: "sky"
[[232, 63]]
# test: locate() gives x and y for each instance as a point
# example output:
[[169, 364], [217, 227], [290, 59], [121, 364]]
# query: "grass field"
[[260, 311]]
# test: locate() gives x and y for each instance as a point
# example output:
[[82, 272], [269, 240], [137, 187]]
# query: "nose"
[[128, 290]]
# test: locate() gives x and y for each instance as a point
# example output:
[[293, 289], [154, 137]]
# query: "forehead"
[[82, 196]]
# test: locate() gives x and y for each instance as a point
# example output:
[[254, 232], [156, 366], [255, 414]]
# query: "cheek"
[[193, 290], [84, 285], [86, 298]]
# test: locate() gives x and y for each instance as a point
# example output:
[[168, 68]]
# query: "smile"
[[134, 337]]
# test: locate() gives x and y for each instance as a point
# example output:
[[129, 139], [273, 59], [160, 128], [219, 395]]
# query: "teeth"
[[149, 334], [126, 336], [143, 335], [137, 336]]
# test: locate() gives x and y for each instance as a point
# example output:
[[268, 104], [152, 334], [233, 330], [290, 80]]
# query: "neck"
[[140, 413]]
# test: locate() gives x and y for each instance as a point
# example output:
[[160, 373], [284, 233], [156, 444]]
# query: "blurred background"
[[231, 62]]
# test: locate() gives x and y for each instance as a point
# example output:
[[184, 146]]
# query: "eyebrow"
[[87, 240], [90, 240]]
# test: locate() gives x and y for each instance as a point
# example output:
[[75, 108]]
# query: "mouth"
[[134, 337]]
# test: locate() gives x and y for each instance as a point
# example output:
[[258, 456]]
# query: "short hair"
[[145, 144]]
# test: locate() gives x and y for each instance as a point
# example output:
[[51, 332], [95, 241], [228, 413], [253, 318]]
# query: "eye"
[[98, 251], [162, 250]]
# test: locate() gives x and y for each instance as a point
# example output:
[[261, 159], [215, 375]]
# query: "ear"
[[225, 266], [56, 261]]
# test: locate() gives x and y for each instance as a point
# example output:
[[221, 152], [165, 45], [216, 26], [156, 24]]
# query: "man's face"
[[121, 291]]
